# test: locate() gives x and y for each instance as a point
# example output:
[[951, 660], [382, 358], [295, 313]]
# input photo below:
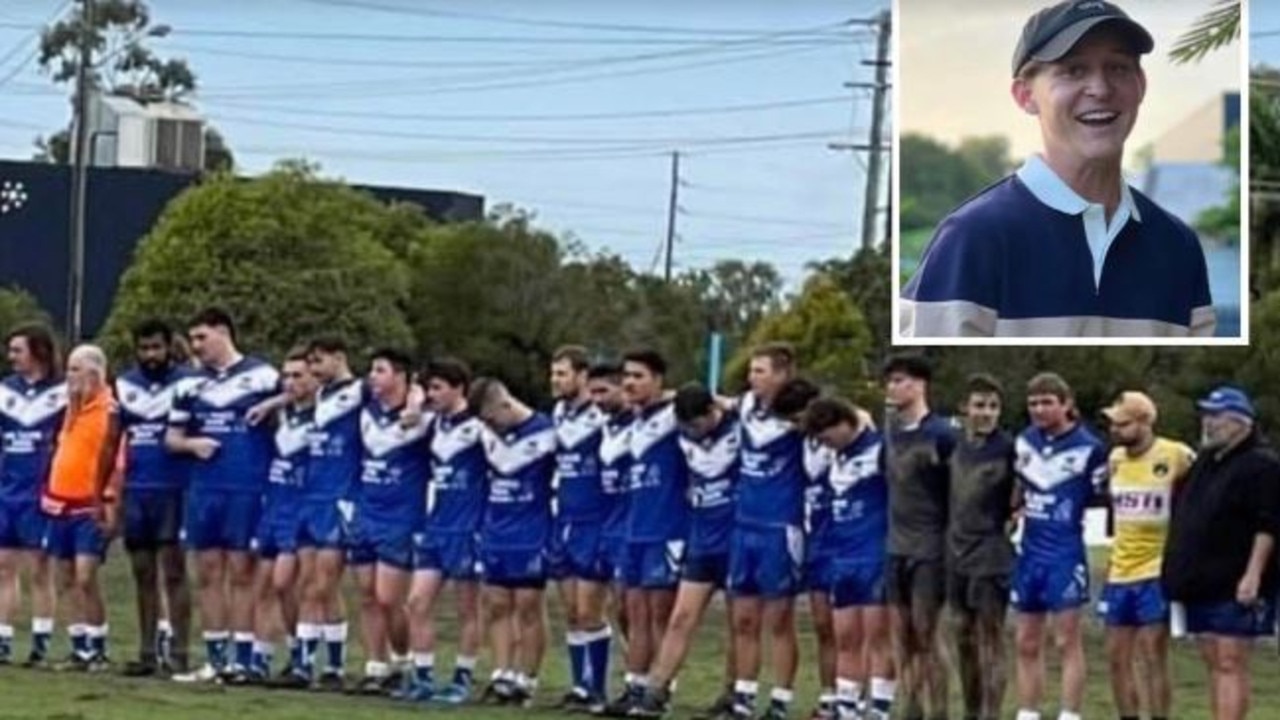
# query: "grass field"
[[39, 695]]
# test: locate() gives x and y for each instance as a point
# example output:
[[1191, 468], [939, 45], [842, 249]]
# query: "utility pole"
[[672, 208], [871, 204], [875, 144], [80, 176]]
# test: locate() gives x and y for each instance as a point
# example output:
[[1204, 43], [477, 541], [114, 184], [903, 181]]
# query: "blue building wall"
[[122, 205]]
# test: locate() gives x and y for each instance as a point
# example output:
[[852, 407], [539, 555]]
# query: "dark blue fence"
[[123, 204]]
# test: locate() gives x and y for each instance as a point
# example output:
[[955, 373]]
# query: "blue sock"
[[597, 654], [464, 672], [335, 640], [244, 650], [98, 641], [41, 636], [577, 659], [79, 640], [424, 669], [215, 648], [6, 642]]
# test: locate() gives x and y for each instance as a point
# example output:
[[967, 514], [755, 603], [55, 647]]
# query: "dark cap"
[[1051, 33]]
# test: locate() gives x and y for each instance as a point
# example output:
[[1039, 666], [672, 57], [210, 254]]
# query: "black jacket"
[[1221, 506]]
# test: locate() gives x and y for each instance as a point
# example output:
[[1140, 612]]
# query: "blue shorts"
[[856, 584], [586, 555], [1134, 604], [514, 569], [815, 576], [766, 562], [615, 549], [221, 520], [276, 533], [320, 526], [1040, 587], [453, 555], [1231, 619], [556, 556], [382, 543], [67, 537], [706, 568], [152, 517], [653, 565], [22, 526]]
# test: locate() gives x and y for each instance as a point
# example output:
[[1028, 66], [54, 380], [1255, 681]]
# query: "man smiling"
[[1121, 265]]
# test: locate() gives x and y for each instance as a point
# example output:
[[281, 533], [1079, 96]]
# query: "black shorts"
[[981, 595], [152, 518], [915, 583]]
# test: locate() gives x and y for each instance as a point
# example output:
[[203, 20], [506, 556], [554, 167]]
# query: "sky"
[[955, 69], [570, 110], [1264, 29]]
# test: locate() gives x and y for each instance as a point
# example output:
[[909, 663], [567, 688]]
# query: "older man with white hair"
[[1218, 557], [73, 499]]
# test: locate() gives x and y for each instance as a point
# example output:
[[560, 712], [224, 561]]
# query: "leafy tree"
[[1213, 30], [290, 256], [936, 178], [829, 333], [124, 65], [1223, 221], [17, 306], [866, 279], [737, 294], [988, 156]]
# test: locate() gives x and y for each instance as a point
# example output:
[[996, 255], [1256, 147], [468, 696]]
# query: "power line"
[[764, 220], [600, 143], [530, 22], [537, 118], [408, 86], [13, 52]]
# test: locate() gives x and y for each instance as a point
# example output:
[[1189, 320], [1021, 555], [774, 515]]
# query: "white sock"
[[427, 660], [308, 631], [376, 669], [264, 647], [42, 625], [1068, 715], [782, 695], [848, 690], [1028, 715], [165, 627], [6, 631], [334, 632], [882, 689], [465, 662]]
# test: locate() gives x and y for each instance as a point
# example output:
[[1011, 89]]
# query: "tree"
[[1222, 222], [830, 336], [1213, 30], [123, 65], [288, 254], [737, 294], [866, 278], [988, 156], [935, 178], [17, 306]]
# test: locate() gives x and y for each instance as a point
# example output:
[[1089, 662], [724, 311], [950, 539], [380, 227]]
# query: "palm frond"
[[1213, 30]]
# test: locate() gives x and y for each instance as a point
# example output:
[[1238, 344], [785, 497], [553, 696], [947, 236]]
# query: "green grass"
[[57, 696]]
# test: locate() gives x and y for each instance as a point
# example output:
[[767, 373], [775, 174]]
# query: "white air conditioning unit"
[[126, 133]]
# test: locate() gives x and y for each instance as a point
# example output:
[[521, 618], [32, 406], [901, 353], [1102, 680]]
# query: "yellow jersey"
[[1141, 500]]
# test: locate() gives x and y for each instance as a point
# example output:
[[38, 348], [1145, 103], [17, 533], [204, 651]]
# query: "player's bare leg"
[[176, 604], [993, 662], [824, 635], [1121, 644], [531, 640], [1070, 637], [1029, 640], [499, 607], [241, 576]]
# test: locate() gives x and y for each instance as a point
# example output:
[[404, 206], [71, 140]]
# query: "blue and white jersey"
[[459, 475], [288, 470], [658, 509], [30, 417], [817, 493], [395, 467], [615, 470], [858, 529], [1141, 273], [213, 403], [522, 464], [145, 404], [772, 488], [334, 473], [1059, 476], [713, 473], [580, 497]]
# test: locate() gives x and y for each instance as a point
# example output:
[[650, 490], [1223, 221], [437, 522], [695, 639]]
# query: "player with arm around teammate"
[[859, 526], [447, 550], [520, 446]]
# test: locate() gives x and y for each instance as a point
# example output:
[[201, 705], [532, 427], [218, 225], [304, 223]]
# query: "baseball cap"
[[1132, 406], [1051, 33], [1227, 399]]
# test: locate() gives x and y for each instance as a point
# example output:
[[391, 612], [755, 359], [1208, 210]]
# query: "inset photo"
[[1070, 173]]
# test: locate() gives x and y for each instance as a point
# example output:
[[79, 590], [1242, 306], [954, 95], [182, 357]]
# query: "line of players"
[[656, 498]]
